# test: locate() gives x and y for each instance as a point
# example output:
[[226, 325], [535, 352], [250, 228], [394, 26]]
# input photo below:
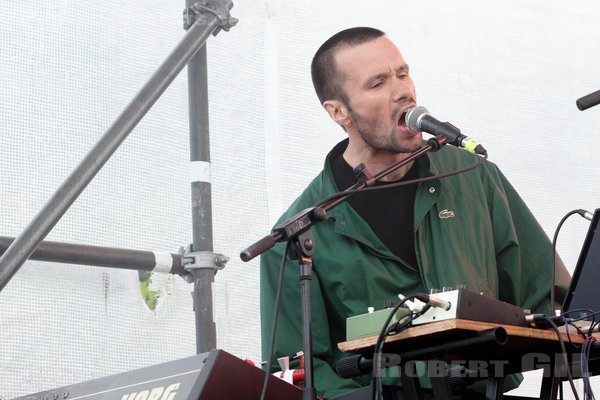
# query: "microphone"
[[418, 119], [588, 101]]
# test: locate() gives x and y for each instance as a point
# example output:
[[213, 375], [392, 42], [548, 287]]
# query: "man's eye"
[[377, 84]]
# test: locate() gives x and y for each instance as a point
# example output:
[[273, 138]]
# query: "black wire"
[[405, 322], [591, 314], [585, 349], [275, 317], [394, 329], [587, 366], [562, 221], [593, 327], [564, 355], [553, 267], [570, 323], [377, 388], [348, 192], [584, 362]]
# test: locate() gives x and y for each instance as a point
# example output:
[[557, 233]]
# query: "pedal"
[[370, 324], [465, 304]]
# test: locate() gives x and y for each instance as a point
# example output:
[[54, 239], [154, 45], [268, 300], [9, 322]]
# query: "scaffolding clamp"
[[192, 260], [214, 7]]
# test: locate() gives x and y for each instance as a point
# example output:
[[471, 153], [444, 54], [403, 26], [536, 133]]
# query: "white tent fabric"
[[506, 72]]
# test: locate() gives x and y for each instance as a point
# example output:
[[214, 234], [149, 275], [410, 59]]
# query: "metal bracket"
[[191, 260], [214, 7]]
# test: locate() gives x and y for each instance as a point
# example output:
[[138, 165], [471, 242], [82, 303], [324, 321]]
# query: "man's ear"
[[337, 111]]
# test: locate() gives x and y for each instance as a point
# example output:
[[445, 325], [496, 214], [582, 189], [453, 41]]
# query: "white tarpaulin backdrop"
[[506, 72]]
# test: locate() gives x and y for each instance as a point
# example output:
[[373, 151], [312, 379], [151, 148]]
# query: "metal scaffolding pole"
[[202, 272], [206, 335], [109, 257], [213, 16]]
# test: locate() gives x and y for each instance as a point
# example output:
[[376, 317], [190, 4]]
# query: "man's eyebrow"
[[403, 68], [384, 75], [379, 76]]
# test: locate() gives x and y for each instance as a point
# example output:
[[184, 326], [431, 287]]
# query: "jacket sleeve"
[[523, 250], [288, 339]]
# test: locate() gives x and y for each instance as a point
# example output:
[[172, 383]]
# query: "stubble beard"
[[370, 132]]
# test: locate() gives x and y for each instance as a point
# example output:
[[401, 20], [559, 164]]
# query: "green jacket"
[[470, 229]]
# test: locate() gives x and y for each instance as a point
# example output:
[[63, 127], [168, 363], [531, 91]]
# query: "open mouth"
[[402, 126], [401, 120]]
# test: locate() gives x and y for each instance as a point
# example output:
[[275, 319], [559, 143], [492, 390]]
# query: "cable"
[[585, 374], [585, 214], [377, 389], [587, 392], [582, 359], [593, 327], [349, 192], [579, 310], [275, 318], [579, 331], [585, 347], [590, 314], [406, 322], [585, 367], [318, 211], [564, 355], [553, 266], [386, 330]]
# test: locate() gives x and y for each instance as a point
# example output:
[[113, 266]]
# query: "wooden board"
[[451, 327]]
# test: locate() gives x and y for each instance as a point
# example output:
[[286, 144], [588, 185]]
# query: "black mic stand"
[[302, 249], [296, 230]]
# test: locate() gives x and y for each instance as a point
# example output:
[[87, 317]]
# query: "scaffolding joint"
[[214, 7], [193, 260]]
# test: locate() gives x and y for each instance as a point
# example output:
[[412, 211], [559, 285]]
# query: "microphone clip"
[[437, 142]]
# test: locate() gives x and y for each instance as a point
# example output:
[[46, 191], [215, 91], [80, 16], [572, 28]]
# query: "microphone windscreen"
[[412, 118]]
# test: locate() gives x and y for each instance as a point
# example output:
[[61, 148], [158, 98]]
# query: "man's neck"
[[377, 161]]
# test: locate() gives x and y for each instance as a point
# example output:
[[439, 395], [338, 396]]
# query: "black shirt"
[[389, 212]]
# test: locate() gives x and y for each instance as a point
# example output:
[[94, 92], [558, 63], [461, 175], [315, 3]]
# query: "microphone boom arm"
[[305, 219]]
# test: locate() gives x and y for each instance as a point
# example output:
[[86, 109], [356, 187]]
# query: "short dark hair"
[[327, 80]]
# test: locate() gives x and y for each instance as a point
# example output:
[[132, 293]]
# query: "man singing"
[[470, 229]]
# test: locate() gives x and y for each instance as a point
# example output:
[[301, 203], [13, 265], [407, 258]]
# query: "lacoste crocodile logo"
[[445, 214]]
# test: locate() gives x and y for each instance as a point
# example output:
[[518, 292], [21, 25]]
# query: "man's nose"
[[402, 88]]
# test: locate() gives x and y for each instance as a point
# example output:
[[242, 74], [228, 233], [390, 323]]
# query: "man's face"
[[379, 90]]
